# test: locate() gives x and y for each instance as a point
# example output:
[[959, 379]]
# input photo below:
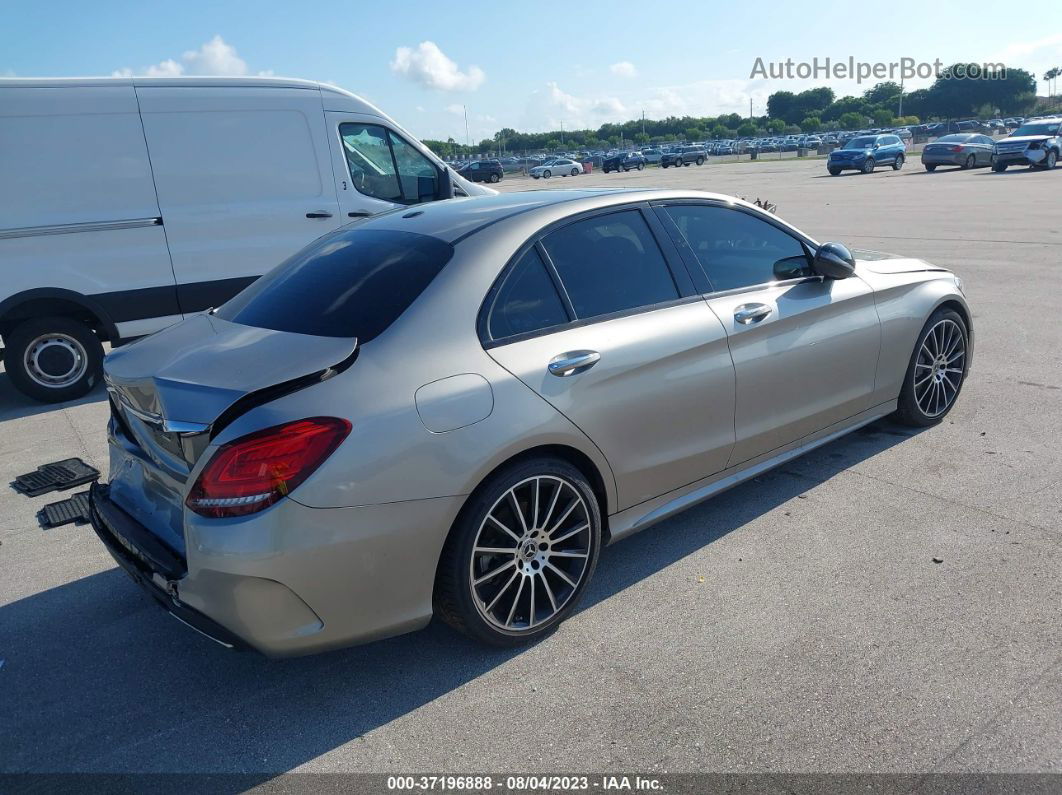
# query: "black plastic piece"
[[57, 476], [75, 509]]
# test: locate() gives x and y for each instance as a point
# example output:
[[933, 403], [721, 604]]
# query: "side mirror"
[[833, 261], [446, 184]]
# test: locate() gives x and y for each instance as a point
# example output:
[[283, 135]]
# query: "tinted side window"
[[610, 263], [527, 301], [737, 249], [353, 283]]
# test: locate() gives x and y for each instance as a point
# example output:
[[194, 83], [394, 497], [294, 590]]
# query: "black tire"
[[575, 172], [897, 164], [700, 161], [641, 166], [1051, 161], [998, 167], [969, 162], [495, 178], [869, 166], [663, 164], [908, 412], [930, 166], [604, 169], [76, 346], [833, 171], [453, 597], [547, 174]]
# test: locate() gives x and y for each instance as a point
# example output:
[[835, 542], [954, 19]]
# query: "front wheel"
[[700, 161], [52, 359], [520, 554], [936, 372], [998, 167], [1051, 160], [833, 171], [547, 174], [868, 167], [931, 167], [897, 164], [641, 166]]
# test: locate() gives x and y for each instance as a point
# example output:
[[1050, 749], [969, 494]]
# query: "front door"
[[805, 349]]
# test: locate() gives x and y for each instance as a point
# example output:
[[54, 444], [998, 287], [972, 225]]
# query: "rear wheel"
[[52, 359], [641, 166], [897, 164], [936, 371], [520, 554], [969, 162], [931, 166], [547, 174], [495, 177], [700, 161], [575, 172], [1051, 160]]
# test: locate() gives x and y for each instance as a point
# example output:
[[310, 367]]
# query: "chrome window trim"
[[69, 229]]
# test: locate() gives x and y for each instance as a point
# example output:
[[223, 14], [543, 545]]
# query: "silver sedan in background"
[[449, 409], [966, 150]]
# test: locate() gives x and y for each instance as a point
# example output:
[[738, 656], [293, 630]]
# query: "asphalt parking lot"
[[797, 623]]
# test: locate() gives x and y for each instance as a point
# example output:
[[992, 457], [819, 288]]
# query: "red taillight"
[[254, 471], [956, 148]]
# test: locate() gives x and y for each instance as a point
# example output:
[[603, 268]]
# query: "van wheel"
[[520, 554], [52, 359]]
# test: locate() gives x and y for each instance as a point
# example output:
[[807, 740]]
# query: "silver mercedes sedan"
[[450, 408]]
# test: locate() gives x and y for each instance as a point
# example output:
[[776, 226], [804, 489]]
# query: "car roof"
[[459, 219]]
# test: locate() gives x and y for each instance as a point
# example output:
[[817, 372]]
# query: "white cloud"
[[456, 109], [428, 65], [215, 57], [623, 69], [1036, 56], [609, 106]]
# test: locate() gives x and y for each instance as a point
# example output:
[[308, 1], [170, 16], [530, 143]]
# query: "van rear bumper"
[[150, 564]]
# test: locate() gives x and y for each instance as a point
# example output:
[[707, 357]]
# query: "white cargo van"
[[127, 203]]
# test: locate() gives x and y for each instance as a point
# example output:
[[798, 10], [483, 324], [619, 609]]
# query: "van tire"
[[73, 338]]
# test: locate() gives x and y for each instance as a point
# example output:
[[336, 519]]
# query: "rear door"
[[597, 319], [805, 350], [243, 180]]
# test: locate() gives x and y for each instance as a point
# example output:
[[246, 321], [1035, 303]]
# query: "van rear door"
[[244, 181]]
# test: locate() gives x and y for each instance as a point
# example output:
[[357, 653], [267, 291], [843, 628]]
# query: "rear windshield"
[[353, 283]]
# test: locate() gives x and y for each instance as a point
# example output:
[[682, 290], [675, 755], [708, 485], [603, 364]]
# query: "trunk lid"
[[171, 392]]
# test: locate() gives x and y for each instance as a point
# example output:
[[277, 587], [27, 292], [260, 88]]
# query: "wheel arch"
[[46, 301]]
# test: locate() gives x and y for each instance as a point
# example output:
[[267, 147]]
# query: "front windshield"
[[1040, 128], [861, 143]]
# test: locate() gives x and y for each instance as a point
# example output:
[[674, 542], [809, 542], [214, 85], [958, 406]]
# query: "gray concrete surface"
[[796, 623]]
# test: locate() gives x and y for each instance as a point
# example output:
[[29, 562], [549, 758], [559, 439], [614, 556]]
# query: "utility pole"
[[900, 113], [750, 108], [643, 121], [468, 139]]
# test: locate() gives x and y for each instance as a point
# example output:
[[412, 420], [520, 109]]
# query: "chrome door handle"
[[319, 214], [573, 362], [751, 313]]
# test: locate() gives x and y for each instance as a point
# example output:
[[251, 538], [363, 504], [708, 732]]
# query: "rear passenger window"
[[527, 301], [737, 249], [610, 263]]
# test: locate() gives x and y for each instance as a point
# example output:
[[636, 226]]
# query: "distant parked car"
[[561, 166], [483, 171], [624, 161], [966, 150], [1036, 143], [866, 152], [684, 156], [652, 155]]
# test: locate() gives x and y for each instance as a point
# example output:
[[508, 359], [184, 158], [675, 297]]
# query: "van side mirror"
[[833, 261], [446, 185]]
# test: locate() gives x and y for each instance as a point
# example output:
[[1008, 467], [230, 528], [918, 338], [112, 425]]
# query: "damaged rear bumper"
[[152, 565]]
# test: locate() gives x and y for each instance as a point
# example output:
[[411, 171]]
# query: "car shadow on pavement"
[[97, 679], [14, 405]]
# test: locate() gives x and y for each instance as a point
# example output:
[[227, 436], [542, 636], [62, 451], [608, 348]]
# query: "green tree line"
[[1012, 91]]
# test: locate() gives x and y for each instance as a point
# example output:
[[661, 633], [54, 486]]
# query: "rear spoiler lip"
[[273, 392]]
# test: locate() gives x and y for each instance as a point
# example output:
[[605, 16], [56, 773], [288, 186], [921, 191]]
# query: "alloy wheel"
[[939, 368], [531, 553]]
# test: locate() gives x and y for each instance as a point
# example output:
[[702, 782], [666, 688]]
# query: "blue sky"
[[574, 63]]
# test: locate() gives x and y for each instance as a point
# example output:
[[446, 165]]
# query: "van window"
[[384, 166], [351, 283]]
